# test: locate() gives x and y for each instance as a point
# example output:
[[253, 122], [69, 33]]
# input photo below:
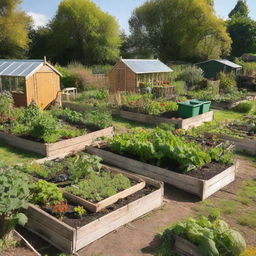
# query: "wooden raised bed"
[[199, 187], [186, 124], [71, 240], [52, 149], [230, 105], [247, 145], [96, 207], [184, 248]]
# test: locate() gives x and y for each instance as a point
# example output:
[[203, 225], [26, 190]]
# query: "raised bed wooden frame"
[[199, 187], [96, 207], [186, 124], [71, 240], [61, 147], [247, 145], [99, 206], [230, 105]]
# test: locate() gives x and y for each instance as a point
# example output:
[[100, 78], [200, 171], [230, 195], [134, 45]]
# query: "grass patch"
[[247, 194], [120, 123], [248, 219], [12, 156], [226, 115]]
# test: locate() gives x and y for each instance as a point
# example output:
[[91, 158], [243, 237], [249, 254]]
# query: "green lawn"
[[11, 156]]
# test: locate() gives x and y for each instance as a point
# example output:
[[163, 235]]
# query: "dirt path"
[[140, 237]]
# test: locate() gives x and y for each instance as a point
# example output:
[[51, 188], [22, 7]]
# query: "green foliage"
[[212, 236], [99, 186], [80, 211], [243, 107], [242, 31], [145, 104], [14, 192], [44, 193], [249, 68], [160, 148], [192, 75], [240, 10], [80, 31], [98, 119], [227, 82], [198, 33], [76, 167], [6, 106], [14, 30]]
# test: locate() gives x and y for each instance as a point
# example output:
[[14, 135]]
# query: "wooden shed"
[[212, 68], [128, 74], [30, 80]]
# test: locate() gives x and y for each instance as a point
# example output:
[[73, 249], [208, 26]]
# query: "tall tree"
[[243, 33], [80, 31], [180, 29], [240, 10], [14, 26]]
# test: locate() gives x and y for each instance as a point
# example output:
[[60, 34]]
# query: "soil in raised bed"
[[74, 222]]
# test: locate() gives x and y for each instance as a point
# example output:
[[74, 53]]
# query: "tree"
[[180, 29], [14, 25], [240, 10], [81, 32], [243, 33]]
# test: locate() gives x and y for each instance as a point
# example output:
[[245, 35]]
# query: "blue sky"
[[43, 10]]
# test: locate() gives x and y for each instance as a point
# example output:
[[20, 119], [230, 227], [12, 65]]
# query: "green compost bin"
[[188, 109], [205, 107]]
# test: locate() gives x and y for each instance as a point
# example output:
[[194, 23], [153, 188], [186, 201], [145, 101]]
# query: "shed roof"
[[225, 62], [22, 68], [143, 66]]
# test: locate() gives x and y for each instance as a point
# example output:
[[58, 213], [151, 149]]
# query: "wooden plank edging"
[[186, 124], [199, 187], [61, 147]]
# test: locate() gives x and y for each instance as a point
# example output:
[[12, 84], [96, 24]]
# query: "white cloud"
[[38, 19]]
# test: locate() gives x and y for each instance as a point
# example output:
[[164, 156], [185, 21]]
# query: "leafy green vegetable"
[[212, 236]]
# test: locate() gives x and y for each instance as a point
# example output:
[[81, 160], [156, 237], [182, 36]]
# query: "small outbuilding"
[[129, 74], [30, 80], [212, 68]]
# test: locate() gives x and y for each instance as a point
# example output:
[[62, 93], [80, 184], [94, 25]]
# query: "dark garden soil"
[[74, 221], [243, 130]]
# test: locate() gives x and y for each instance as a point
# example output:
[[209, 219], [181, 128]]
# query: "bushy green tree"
[[179, 29], [81, 32], [14, 25], [240, 10], [243, 34]]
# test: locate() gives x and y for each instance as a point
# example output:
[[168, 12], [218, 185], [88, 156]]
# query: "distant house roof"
[[22, 68], [225, 62], [146, 66]]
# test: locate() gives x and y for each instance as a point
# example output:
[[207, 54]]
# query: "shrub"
[[227, 82], [14, 192], [243, 107], [6, 106], [192, 75]]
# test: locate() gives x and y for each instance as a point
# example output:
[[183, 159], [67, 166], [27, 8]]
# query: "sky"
[[43, 10]]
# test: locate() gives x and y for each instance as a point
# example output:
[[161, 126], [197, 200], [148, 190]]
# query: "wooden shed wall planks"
[[201, 188], [122, 78]]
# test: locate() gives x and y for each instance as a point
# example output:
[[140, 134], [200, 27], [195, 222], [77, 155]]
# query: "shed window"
[[13, 84]]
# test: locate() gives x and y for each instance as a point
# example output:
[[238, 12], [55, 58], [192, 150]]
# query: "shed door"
[[45, 89], [121, 83]]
